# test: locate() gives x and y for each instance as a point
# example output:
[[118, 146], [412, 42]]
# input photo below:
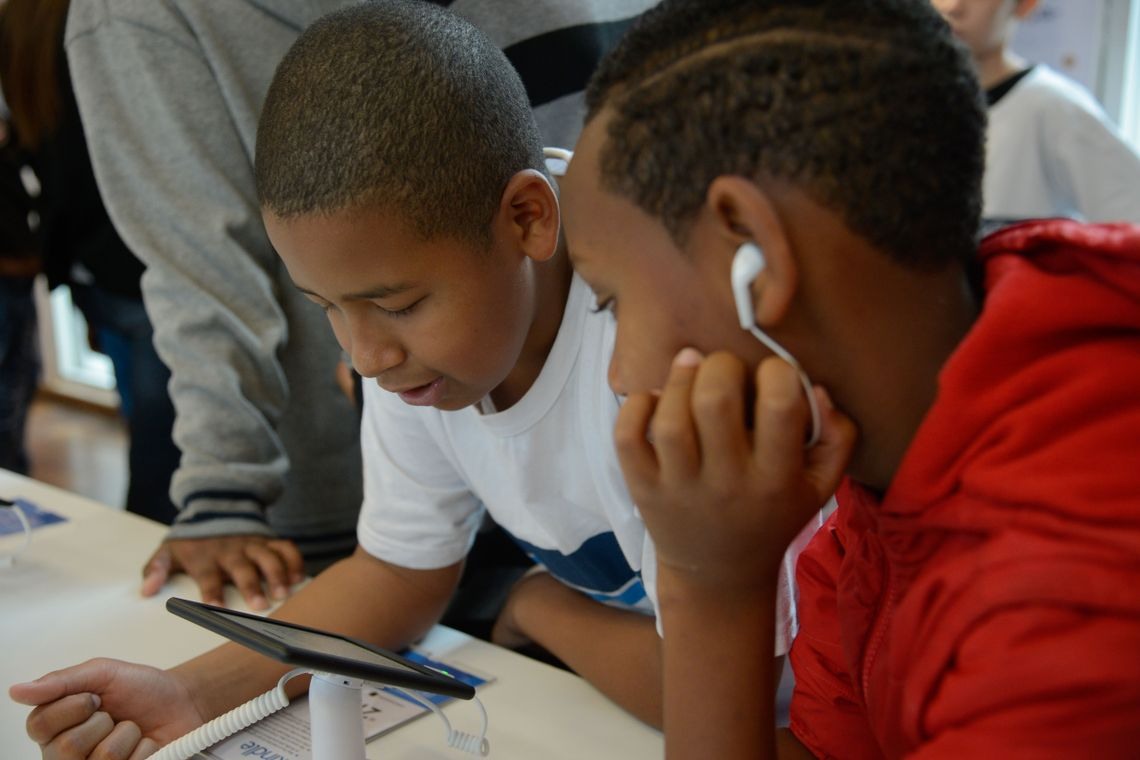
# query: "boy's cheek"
[[339, 332], [642, 370]]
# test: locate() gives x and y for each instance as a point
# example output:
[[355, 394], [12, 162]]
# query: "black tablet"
[[318, 650]]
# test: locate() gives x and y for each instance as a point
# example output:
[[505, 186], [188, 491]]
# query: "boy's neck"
[[994, 68], [552, 287], [928, 321], [890, 330], [871, 330]]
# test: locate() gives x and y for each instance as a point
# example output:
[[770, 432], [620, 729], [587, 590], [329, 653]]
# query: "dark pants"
[[123, 332], [493, 565], [19, 369]]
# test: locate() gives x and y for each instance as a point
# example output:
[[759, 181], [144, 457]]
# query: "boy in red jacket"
[[810, 172]]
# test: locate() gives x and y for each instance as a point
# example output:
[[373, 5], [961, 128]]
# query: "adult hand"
[[723, 502], [247, 562], [107, 709]]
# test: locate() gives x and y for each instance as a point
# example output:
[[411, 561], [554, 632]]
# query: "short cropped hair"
[[868, 106], [399, 105]]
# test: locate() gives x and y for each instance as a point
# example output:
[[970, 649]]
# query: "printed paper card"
[[285, 735], [37, 516]]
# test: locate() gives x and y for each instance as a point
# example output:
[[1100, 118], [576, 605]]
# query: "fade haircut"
[[397, 105], [868, 106]]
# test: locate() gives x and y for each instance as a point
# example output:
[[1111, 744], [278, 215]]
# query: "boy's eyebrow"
[[379, 291]]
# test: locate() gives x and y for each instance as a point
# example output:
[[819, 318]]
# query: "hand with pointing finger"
[[107, 709]]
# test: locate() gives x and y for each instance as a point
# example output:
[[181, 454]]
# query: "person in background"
[[806, 176], [1050, 151], [80, 246], [170, 94], [19, 265]]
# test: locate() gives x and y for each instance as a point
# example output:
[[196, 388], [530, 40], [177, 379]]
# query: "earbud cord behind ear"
[[805, 381], [747, 265]]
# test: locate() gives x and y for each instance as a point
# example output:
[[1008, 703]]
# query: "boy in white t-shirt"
[[403, 185], [1050, 148]]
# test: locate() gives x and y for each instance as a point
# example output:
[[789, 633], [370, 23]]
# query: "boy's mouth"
[[428, 394]]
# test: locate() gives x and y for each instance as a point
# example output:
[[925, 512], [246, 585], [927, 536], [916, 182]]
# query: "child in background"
[[1050, 149], [812, 172], [402, 183]]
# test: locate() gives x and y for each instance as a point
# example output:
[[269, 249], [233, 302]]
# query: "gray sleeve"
[[176, 175], [554, 45]]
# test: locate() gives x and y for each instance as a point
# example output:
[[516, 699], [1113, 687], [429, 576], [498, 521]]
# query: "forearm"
[[617, 651], [718, 672], [360, 596]]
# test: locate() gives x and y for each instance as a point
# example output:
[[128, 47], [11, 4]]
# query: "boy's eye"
[[400, 312], [322, 305]]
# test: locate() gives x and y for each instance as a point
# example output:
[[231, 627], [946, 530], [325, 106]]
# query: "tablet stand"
[[336, 728], [336, 725]]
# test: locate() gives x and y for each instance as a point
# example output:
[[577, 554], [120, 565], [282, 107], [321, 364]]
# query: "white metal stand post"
[[335, 718]]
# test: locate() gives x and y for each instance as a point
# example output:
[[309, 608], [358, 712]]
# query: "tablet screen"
[[319, 642]]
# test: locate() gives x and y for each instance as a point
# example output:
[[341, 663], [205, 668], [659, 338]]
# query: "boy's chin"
[[866, 472], [455, 399], [450, 405]]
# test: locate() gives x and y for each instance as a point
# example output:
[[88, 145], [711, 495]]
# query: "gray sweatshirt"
[[169, 92]]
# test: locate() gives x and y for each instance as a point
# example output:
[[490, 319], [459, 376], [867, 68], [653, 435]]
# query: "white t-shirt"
[[545, 468], [1051, 151]]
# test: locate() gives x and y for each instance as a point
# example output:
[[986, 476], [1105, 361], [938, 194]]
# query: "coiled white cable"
[[469, 743], [230, 723]]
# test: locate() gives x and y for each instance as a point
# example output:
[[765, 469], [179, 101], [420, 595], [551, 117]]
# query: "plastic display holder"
[[336, 728]]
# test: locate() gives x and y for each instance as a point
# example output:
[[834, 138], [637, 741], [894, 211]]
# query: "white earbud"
[[557, 159], [747, 265]]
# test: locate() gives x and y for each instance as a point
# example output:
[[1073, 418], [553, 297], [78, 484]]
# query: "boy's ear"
[[741, 212], [529, 216]]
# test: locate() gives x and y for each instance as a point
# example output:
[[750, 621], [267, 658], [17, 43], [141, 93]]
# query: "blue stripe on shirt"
[[598, 568]]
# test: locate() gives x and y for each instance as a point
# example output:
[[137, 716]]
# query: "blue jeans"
[[19, 369], [123, 331]]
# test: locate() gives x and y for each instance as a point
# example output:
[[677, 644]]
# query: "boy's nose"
[[372, 358]]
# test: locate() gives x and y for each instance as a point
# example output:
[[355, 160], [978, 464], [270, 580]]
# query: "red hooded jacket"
[[988, 605]]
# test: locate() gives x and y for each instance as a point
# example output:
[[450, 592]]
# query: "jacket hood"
[[1037, 418]]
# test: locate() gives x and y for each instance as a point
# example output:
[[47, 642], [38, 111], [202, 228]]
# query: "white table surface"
[[74, 595]]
